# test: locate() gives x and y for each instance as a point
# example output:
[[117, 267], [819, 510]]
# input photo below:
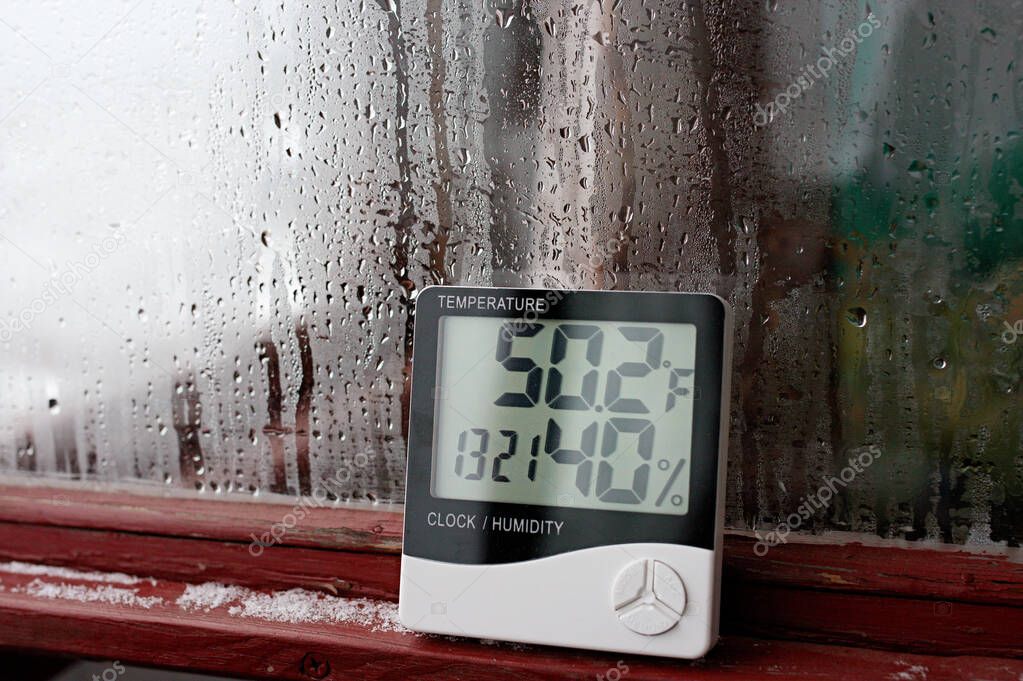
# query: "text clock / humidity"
[[566, 462]]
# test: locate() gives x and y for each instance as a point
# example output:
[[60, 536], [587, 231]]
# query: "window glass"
[[215, 218]]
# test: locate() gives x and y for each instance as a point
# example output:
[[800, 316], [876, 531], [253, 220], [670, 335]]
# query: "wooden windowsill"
[[844, 592], [289, 635]]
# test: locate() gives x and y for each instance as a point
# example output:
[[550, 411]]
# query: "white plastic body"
[[566, 599], [560, 600]]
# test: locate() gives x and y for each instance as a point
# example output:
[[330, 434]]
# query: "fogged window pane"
[[216, 218]]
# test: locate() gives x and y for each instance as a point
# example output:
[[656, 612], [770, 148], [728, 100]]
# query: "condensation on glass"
[[215, 219]]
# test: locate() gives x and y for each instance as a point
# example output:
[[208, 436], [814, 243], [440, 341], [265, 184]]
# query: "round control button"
[[648, 597]]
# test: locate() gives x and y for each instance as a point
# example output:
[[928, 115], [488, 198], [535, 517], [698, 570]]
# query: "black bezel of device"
[[583, 527]]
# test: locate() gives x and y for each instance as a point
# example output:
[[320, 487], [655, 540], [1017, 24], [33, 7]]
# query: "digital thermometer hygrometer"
[[566, 467]]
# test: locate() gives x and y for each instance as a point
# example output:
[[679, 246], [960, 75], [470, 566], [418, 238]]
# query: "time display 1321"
[[586, 414]]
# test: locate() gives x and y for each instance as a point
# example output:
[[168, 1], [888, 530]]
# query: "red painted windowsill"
[[46, 613], [929, 601]]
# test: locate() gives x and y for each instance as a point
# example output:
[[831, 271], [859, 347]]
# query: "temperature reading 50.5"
[[583, 413]]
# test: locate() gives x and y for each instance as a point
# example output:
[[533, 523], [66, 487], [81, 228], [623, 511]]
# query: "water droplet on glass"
[[856, 316]]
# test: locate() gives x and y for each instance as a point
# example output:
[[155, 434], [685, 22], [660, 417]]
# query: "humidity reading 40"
[[583, 413]]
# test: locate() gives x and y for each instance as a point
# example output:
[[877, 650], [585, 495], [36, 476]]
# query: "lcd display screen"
[[574, 413]]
